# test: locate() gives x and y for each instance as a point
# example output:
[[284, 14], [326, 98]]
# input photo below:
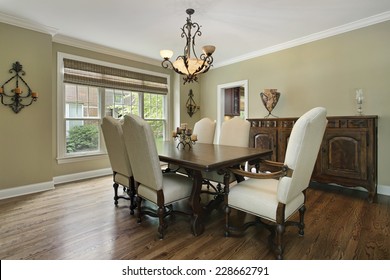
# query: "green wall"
[[25, 138], [322, 73]]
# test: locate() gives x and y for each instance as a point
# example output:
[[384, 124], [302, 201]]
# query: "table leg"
[[197, 225]]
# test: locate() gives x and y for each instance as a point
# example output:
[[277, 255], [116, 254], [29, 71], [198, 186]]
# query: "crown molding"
[[310, 38], [20, 22], [70, 41]]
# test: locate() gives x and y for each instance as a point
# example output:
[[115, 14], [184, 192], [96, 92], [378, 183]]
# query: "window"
[[89, 90]]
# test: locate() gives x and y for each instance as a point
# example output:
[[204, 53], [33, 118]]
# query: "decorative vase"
[[270, 98]]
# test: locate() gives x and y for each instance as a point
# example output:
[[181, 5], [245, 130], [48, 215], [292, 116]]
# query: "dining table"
[[200, 157]]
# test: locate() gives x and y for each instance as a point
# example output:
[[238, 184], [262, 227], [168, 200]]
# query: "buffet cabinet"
[[348, 152]]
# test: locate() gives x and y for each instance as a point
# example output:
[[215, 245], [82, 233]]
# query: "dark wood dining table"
[[206, 157]]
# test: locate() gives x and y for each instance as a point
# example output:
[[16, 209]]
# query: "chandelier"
[[186, 65]]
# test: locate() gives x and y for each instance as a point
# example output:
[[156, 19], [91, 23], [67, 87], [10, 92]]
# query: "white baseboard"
[[45, 186], [81, 176], [27, 189], [382, 189]]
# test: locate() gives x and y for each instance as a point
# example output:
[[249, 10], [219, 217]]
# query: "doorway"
[[243, 102]]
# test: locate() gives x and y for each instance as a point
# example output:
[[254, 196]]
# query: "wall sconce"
[[192, 108], [15, 99]]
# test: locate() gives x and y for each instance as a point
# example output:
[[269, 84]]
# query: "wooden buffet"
[[348, 153]]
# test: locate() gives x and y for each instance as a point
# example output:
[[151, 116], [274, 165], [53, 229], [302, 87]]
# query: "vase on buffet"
[[270, 98]]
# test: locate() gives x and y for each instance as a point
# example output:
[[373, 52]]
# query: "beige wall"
[[322, 73], [28, 140], [25, 138]]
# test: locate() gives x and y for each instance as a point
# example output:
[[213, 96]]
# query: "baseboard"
[[81, 176], [27, 189], [45, 186], [382, 189]]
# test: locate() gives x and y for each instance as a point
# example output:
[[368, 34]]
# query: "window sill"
[[80, 158]]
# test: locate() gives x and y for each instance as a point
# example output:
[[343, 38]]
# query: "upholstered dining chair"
[[234, 132], [120, 164], [273, 198], [205, 129], [162, 189]]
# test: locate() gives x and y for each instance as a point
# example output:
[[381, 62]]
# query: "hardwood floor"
[[79, 221]]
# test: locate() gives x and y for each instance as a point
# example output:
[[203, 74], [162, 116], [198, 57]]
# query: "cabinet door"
[[344, 154], [264, 138], [232, 101]]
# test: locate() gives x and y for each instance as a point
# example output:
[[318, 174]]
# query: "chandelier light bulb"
[[166, 54]]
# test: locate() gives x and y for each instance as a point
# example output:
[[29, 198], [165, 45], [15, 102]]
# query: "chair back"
[[235, 132], [113, 137], [142, 152], [302, 151], [205, 129]]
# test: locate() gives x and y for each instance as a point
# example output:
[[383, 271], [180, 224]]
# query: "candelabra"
[[15, 98], [184, 136]]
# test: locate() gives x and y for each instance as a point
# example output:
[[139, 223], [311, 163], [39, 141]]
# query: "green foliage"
[[82, 138]]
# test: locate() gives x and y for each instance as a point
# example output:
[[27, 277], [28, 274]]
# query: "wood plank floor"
[[79, 221]]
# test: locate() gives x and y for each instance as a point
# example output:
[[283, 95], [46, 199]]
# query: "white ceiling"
[[238, 29]]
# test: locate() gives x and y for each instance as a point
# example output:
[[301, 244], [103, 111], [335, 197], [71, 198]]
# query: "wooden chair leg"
[[301, 224], [280, 228], [139, 201], [227, 215], [116, 197], [161, 226], [132, 196]]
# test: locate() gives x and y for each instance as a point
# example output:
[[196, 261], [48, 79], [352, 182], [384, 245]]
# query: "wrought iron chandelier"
[[186, 65]]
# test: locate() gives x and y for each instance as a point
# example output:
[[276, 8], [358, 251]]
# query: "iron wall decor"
[[191, 106], [20, 95]]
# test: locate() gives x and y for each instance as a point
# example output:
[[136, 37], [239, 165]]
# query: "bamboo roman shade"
[[80, 72]]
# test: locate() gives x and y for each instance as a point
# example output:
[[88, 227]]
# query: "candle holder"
[[185, 137], [15, 99]]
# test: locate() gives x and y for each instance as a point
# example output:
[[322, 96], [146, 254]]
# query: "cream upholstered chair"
[[120, 164], [151, 184], [274, 197], [234, 132], [205, 129]]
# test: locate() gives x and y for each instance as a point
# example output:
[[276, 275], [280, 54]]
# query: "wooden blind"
[[80, 72]]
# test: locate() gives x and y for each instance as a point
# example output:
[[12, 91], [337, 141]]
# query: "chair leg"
[[116, 197], [227, 215], [301, 224], [132, 195], [139, 201], [161, 226], [280, 228]]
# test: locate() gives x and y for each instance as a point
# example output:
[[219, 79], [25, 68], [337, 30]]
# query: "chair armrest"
[[272, 163], [283, 172]]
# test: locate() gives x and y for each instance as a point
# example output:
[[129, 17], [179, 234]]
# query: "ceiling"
[[239, 29]]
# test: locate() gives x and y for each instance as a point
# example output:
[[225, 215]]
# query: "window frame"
[[62, 156]]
